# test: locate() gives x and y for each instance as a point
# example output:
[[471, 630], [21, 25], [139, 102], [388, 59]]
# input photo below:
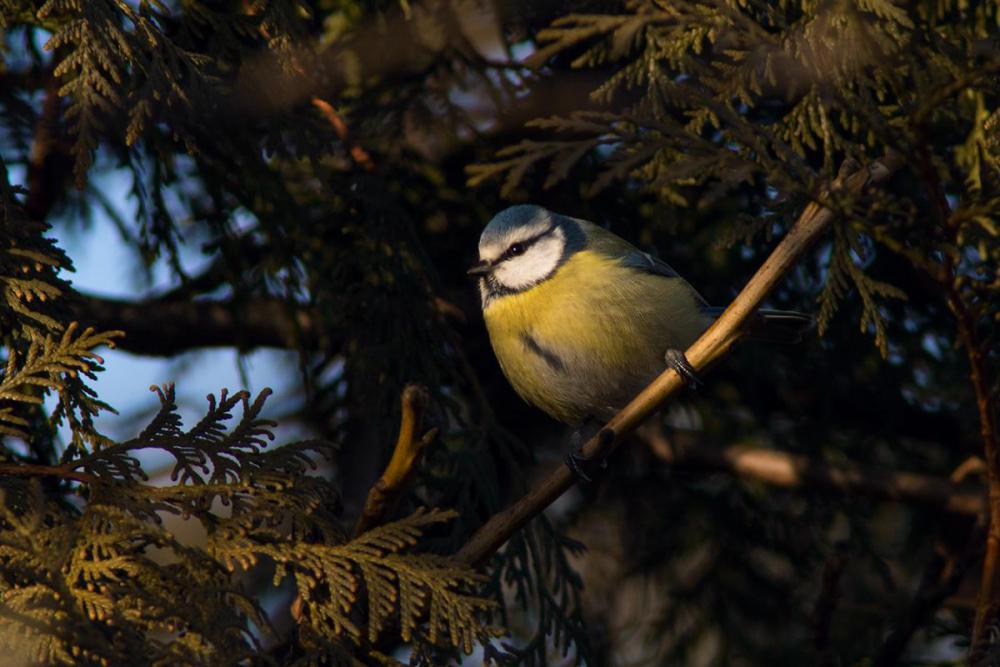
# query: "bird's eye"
[[516, 249]]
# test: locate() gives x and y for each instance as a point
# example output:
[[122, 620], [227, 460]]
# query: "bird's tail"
[[774, 326]]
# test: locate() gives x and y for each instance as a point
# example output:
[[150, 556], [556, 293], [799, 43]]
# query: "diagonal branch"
[[712, 345]]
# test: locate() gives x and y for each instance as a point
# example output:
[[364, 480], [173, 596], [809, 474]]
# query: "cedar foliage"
[[700, 127]]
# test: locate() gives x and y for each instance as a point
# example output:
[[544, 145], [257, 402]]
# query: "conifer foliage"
[[331, 164]]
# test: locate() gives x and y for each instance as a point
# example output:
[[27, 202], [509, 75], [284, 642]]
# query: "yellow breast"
[[583, 342]]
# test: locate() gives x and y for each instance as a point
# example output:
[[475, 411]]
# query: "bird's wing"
[[612, 245], [643, 261]]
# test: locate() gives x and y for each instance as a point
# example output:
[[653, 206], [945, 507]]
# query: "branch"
[[792, 471], [164, 328], [964, 311], [235, 256], [384, 494], [34, 470], [713, 344], [943, 572], [988, 603]]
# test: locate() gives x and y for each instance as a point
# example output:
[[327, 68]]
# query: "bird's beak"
[[479, 269]]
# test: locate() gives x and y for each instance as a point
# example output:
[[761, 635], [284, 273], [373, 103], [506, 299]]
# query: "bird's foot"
[[577, 462], [676, 360]]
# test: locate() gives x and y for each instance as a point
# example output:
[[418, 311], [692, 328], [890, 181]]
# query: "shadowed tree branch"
[[793, 471], [712, 345], [988, 604], [165, 328], [949, 279], [33, 470]]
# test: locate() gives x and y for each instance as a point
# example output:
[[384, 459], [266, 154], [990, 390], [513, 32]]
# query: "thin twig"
[[358, 154], [988, 600], [385, 493], [713, 344]]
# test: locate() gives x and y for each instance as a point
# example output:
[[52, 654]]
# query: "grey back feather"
[[646, 262]]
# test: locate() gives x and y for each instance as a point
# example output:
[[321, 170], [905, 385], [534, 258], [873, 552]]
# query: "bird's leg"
[[575, 460], [676, 360]]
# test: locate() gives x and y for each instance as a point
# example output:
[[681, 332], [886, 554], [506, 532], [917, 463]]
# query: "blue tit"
[[580, 320]]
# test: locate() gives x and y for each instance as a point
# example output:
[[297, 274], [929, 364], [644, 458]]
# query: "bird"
[[580, 320]]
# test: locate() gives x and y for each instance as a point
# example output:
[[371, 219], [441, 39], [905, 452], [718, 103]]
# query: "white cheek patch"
[[537, 263]]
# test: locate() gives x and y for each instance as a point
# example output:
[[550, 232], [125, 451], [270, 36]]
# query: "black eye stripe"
[[519, 248]]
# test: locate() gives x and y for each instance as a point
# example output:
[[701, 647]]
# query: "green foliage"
[[843, 273], [47, 365], [106, 42], [44, 353], [84, 590], [29, 266], [115, 566], [416, 587]]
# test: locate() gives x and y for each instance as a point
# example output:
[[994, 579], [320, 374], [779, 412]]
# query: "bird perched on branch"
[[581, 321]]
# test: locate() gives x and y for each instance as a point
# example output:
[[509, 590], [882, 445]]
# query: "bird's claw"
[[676, 360], [576, 461]]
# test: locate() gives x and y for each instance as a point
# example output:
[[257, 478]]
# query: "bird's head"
[[523, 246]]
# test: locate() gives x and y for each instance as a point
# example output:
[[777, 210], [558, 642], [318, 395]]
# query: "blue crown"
[[511, 218]]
